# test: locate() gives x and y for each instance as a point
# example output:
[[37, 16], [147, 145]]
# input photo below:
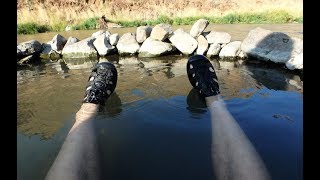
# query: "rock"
[[128, 44], [102, 45], [183, 41], [81, 49], [154, 48], [213, 50], [202, 45], [29, 59], [71, 40], [58, 42], [28, 48], [215, 37], [161, 32], [48, 52], [241, 54], [230, 50], [98, 33], [274, 46], [113, 39], [68, 28], [143, 32], [198, 27], [296, 62]]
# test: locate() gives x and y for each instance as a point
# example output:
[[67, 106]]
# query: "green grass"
[[88, 24], [277, 16], [31, 28]]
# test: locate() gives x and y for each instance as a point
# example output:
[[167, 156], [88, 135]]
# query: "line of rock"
[[260, 44]]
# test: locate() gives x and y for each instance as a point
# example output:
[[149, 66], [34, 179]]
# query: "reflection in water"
[[113, 105], [54, 96], [50, 94], [195, 101]]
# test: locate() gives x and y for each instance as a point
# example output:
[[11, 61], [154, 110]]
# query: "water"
[[154, 125]]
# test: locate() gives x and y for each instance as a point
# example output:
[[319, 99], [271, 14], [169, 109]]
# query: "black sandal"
[[101, 83], [202, 76]]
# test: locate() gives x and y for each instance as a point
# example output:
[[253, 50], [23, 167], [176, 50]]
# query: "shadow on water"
[[113, 106], [266, 62], [196, 103]]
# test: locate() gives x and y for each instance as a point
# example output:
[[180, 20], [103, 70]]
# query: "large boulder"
[[128, 44], [154, 48], [215, 37], [28, 48], [81, 49], [266, 45], [183, 41], [101, 43], [58, 42], [202, 45], [214, 50], [230, 50], [113, 39], [161, 32], [198, 27], [143, 32]]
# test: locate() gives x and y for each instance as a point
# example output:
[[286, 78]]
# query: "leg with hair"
[[78, 157], [233, 155]]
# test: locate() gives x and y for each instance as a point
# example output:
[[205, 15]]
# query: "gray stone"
[[296, 62], [102, 45], [113, 39], [48, 52], [198, 27], [202, 45], [183, 41], [274, 46], [213, 50], [58, 42], [154, 48], [98, 33], [230, 50], [28, 48], [81, 49], [71, 40], [161, 32], [128, 44], [143, 32], [215, 37]]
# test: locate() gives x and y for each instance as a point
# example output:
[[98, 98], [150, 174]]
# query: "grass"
[[31, 28], [275, 16]]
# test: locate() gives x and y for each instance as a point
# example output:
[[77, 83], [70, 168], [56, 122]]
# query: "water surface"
[[154, 125]]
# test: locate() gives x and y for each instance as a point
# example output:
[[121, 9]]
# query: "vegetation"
[[34, 16], [31, 28]]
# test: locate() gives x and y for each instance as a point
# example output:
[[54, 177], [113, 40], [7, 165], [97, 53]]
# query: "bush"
[[31, 28]]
